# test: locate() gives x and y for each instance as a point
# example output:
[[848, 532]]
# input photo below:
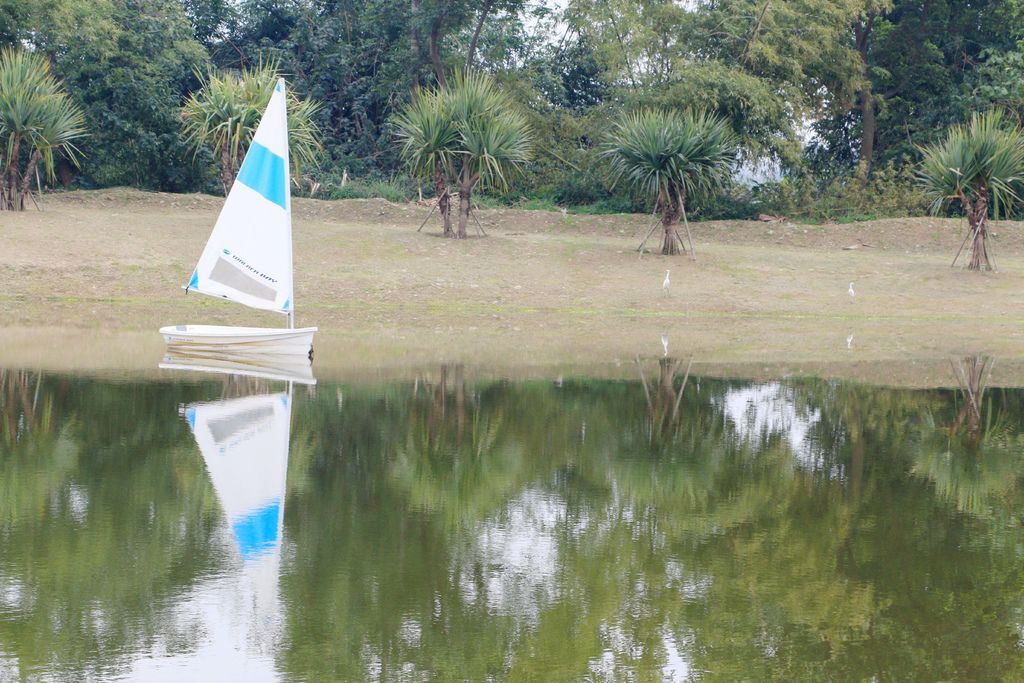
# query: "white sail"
[[248, 258], [244, 442]]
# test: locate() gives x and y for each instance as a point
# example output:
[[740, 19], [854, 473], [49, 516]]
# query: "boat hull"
[[263, 340]]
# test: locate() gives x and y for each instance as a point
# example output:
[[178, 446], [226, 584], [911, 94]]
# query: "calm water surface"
[[445, 528]]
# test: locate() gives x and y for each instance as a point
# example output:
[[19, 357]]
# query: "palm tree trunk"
[[444, 202], [977, 217], [227, 173], [465, 193], [10, 188], [26, 179], [670, 213]]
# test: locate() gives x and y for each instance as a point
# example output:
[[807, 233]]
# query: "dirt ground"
[[90, 278]]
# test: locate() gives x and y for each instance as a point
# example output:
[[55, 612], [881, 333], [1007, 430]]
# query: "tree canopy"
[[812, 89]]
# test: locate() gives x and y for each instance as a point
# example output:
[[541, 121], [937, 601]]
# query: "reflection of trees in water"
[[976, 461], [453, 459], [454, 528], [653, 538], [105, 513], [971, 376], [23, 411], [663, 399]]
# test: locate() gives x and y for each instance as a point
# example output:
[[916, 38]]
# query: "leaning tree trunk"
[[670, 212], [444, 202], [977, 218], [26, 179]]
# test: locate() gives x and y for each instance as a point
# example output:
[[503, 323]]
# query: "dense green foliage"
[[822, 95]]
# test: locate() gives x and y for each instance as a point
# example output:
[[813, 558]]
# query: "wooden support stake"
[[962, 245], [686, 224], [479, 225], [432, 210], [648, 236]]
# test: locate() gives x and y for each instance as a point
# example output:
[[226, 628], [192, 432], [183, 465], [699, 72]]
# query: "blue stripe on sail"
[[190, 415], [264, 172], [194, 282], [287, 303], [257, 531], [277, 87]]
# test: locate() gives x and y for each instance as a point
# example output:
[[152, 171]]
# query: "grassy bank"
[[542, 288]]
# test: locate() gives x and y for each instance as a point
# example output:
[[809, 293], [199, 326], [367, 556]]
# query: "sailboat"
[[248, 258]]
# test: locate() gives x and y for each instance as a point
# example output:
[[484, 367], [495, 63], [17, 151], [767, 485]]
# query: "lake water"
[[444, 527]]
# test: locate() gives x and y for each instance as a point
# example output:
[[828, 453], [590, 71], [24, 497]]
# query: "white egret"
[[850, 292], [849, 341], [666, 283], [664, 345]]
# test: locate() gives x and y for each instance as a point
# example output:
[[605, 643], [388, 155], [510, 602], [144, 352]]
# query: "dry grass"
[[542, 289]]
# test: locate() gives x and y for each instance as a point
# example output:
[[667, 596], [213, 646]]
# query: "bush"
[[891, 191], [393, 190], [738, 203]]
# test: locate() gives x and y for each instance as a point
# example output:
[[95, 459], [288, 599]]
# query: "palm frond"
[[224, 113], [34, 110], [985, 157], [667, 154], [427, 135]]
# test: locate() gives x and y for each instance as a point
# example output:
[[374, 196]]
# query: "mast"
[[288, 211]]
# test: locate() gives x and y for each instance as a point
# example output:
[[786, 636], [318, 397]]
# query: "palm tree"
[[429, 139], [224, 113], [466, 132], [493, 139], [38, 121], [980, 165], [673, 158]]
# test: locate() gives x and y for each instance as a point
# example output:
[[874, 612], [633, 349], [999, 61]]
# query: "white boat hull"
[[263, 340]]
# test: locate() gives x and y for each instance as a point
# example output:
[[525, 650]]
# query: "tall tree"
[[916, 61], [767, 67], [127, 63]]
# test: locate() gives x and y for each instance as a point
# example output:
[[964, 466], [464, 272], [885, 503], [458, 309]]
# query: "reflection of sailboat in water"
[[244, 442], [261, 365], [236, 616]]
